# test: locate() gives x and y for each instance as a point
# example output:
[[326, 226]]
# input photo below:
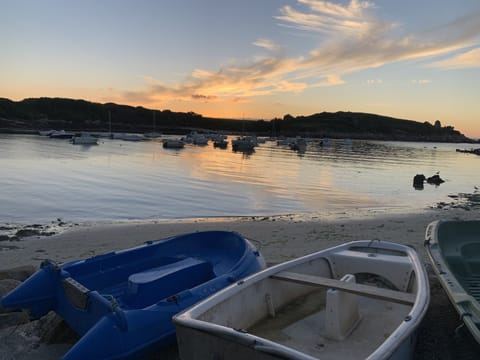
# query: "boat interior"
[[463, 254], [145, 275], [339, 306], [137, 287]]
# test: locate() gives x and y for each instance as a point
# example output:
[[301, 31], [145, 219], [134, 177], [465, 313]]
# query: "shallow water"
[[45, 179]]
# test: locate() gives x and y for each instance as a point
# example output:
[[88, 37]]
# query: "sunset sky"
[[252, 59]]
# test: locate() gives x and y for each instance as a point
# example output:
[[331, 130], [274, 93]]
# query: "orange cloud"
[[469, 59], [352, 38]]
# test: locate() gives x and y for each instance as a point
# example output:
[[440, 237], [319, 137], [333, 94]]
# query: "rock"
[[20, 273], [435, 180], [13, 319], [53, 330], [418, 181], [7, 285], [27, 232]]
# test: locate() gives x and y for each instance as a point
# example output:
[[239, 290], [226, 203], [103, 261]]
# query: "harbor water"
[[44, 180]]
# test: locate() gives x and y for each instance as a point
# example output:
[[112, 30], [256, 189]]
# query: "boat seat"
[[396, 269], [341, 311], [152, 285], [359, 289]]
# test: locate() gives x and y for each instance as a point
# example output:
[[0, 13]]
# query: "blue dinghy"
[[122, 303]]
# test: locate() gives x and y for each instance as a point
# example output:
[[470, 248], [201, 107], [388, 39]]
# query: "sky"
[[250, 59]]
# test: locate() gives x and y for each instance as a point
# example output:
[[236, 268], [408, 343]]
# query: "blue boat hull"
[[122, 303]]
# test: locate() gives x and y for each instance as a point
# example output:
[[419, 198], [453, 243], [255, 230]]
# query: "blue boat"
[[121, 303]]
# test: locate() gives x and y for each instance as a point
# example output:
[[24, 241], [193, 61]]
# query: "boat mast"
[[110, 123]]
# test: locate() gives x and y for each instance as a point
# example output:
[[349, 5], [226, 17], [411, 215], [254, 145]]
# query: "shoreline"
[[11, 231], [282, 237]]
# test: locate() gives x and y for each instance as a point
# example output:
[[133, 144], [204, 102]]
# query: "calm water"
[[43, 179]]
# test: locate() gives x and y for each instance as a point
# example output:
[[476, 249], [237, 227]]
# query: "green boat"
[[454, 250]]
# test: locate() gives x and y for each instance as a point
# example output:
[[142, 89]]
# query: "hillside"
[[31, 115]]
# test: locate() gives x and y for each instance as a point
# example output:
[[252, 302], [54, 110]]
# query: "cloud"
[[205, 98], [266, 44], [469, 59], [327, 17], [421, 82], [374, 81], [350, 37]]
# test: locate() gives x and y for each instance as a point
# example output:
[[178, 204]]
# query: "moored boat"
[[85, 139], [173, 144], [61, 134], [454, 251], [299, 144], [128, 137], [221, 143], [361, 300], [121, 303], [244, 143]]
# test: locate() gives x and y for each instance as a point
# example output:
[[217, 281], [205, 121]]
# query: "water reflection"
[[44, 178]]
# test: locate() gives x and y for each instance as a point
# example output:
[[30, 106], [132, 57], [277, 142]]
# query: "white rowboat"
[[360, 300]]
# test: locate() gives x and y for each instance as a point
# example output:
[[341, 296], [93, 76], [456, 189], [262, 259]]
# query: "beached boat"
[[122, 303], [360, 300], [454, 251]]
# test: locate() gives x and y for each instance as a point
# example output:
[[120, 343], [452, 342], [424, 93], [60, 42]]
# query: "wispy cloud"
[[374, 81], [328, 17], [469, 59], [267, 44], [421, 82], [352, 38]]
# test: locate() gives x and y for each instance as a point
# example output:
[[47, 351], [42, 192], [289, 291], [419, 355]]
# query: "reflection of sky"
[[45, 179]]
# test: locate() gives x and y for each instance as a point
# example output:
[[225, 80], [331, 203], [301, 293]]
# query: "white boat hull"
[[327, 305]]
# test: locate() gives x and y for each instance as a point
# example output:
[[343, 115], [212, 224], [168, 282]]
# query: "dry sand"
[[281, 238]]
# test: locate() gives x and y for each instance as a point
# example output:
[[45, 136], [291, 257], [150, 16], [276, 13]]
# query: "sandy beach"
[[280, 238]]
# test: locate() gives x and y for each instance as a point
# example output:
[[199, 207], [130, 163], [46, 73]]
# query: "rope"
[[113, 301], [459, 327]]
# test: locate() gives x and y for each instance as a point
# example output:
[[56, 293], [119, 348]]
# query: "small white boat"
[[45, 132], [61, 134], [84, 139], [128, 137], [173, 144], [244, 143], [152, 135], [360, 300], [200, 140], [222, 144], [299, 144]]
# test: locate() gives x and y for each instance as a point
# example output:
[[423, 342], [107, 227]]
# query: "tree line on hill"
[[31, 115]]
